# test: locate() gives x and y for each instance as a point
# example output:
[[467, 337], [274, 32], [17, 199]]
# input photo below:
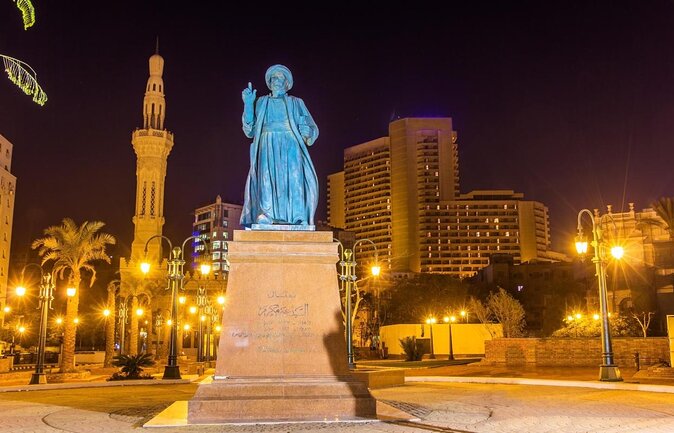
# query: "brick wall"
[[580, 352]]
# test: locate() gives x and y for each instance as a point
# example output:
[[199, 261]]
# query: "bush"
[[132, 366], [409, 346], [586, 327]]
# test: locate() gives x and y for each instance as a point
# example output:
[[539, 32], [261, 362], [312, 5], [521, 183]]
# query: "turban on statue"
[[279, 68]]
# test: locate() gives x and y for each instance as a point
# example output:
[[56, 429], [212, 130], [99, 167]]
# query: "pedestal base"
[[171, 372], [282, 352], [281, 399], [609, 373], [38, 379]]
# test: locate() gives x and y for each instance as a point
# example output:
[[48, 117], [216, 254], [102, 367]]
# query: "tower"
[[152, 144]]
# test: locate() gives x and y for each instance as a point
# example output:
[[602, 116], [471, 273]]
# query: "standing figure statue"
[[282, 187]]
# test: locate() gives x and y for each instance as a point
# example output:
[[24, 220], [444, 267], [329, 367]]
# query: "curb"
[[544, 382], [74, 385]]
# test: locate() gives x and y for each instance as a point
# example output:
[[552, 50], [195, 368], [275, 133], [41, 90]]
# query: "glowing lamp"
[[70, 292], [182, 299], [193, 309], [20, 291], [376, 269], [139, 312], [145, 267], [617, 252], [221, 300], [205, 268], [106, 312]]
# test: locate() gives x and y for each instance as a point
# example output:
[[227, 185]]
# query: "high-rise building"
[[402, 193], [215, 225], [7, 188]]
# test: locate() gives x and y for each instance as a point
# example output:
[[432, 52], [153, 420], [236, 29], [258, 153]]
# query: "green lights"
[[27, 12], [19, 74]]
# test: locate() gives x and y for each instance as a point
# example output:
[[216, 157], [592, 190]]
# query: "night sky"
[[571, 103]]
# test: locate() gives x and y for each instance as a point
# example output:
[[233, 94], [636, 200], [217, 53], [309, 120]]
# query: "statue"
[[282, 186]]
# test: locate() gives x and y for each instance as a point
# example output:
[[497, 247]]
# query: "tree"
[[73, 249], [587, 326], [508, 312], [664, 207], [112, 288], [644, 320], [133, 365], [414, 299]]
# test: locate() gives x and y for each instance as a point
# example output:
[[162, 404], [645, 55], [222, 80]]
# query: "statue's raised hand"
[[248, 95]]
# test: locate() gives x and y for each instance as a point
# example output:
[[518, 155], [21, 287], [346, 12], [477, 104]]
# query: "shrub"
[[409, 346], [132, 366]]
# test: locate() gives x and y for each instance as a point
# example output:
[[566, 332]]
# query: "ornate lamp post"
[[175, 277], [431, 320], [202, 303], [158, 324], [123, 312], [449, 320], [46, 297], [348, 278], [608, 371]]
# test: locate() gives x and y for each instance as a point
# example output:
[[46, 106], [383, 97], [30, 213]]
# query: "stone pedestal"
[[282, 352]]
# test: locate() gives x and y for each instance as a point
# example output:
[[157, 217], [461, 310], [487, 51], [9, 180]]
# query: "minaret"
[[152, 145]]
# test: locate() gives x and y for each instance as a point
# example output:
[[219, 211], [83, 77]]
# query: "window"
[[142, 198], [215, 245], [216, 266], [224, 223], [152, 194], [225, 214], [216, 255], [203, 216]]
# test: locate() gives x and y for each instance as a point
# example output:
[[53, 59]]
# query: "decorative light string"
[[25, 77]]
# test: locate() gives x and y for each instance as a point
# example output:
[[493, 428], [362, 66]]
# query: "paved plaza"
[[433, 405]]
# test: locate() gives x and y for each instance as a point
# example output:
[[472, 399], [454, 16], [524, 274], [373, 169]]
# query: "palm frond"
[[27, 12], [25, 77]]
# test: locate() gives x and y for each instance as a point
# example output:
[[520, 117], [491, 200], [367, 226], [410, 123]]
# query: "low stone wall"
[[579, 352]]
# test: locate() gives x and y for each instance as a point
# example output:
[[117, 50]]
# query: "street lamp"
[[608, 371], [431, 320], [45, 299], [175, 277], [449, 320], [158, 324], [202, 303], [348, 278], [123, 313]]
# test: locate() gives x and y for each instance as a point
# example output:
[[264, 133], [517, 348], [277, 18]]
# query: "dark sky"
[[571, 103]]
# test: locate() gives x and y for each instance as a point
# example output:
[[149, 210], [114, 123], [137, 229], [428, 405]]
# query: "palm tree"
[[110, 323], [664, 207], [133, 365], [73, 249]]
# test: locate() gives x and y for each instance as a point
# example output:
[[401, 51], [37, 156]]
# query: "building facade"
[[402, 192], [7, 190], [214, 224]]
